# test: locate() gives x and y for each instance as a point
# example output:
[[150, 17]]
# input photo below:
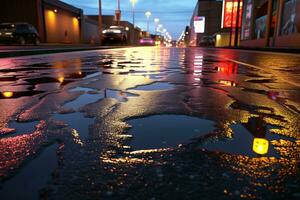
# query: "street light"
[[156, 21], [100, 22], [148, 14], [133, 2], [160, 26]]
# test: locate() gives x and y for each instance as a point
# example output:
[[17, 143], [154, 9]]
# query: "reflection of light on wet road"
[[252, 132], [260, 146], [155, 86], [163, 131], [76, 121], [228, 83], [32, 177], [7, 94]]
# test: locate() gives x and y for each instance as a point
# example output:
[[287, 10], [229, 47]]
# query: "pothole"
[[167, 131]]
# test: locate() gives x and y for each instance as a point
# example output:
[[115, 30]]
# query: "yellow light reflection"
[[260, 146], [51, 19], [7, 94], [75, 23], [61, 79], [227, 83]]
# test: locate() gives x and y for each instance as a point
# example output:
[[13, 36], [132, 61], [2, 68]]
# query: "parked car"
[[18, 33], [207, 41], [147, 41], [115, 34]]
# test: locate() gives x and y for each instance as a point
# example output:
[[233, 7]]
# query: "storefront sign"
[[199, 24], [230, 11], [247, 20]]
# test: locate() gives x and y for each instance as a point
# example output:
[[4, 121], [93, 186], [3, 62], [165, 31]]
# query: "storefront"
[[271, 23]]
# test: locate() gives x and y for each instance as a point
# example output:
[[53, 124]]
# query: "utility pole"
[[133, 2], [148, 14], [100, 22], [118, 14]]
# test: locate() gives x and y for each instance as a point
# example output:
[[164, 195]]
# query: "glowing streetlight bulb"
[[148, 14], [133, 2]]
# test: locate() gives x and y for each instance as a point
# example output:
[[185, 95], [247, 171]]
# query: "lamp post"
[[100, 22], [133, 2], [156, 21], [148, 14]]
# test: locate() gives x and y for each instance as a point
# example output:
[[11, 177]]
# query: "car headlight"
[[105, 31], [116, 31]]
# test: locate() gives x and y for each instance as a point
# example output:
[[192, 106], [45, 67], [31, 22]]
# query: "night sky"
[[174, 14]]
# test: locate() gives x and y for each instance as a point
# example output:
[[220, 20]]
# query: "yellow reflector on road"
[[260, 146]]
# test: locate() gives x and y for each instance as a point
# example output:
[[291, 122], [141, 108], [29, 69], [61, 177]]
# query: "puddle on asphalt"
[[164, 131], [79, 89], [243, 139], [84, 99], [76, 121], [33, 177], [88, 98], [22, 127], [155, 86], [18, 94], [117, 94], [93, 75]]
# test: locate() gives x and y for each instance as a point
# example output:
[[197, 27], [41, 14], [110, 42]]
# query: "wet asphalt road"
[[150, 123]]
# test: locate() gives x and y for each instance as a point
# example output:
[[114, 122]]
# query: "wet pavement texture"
[[150, 123]]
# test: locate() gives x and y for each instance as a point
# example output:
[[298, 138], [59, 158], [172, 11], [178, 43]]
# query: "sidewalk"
[[266, 49], [15, 51]]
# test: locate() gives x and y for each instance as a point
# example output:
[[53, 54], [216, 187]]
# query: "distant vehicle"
[[207, 41], [147, 41], [115, 34], [18, 33]]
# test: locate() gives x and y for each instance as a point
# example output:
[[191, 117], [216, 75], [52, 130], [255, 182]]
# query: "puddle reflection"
[[249, 139], [155, 86], [166, 131], [33, 177], [76, 121]]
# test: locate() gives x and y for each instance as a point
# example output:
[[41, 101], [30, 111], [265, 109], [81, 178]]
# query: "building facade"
[[207, 19], [56, 22], [271, 23]]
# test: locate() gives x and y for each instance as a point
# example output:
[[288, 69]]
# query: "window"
[[290, 17]]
